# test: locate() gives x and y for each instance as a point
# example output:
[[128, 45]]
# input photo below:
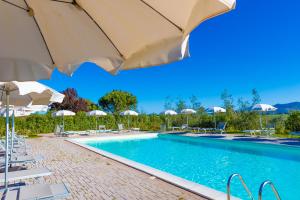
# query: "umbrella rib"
[[5, 1], [62, 1], [103, 32], [75, 4], [162, 15], [41, 35]]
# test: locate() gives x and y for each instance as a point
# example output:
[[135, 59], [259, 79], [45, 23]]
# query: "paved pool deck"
[[89, 175]]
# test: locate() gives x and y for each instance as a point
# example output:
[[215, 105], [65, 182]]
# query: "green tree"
[[255, 97], [227, 100], [293, 121], [91, 105], [228, 104], [180, 105], [117, 101], [195, 103], [243, 105], [168, 105]]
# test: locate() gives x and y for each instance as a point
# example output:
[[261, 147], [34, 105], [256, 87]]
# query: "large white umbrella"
[[21, 94], [38, 35], [129, 113], [169, 112], [29, 93], [214, 110], [263, 108], [63, 113], [187, 112], [96, 113]]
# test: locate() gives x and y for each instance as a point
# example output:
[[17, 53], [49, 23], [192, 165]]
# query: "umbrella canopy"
[[169, 112], [96, 113], [263, 108], [114, 35], [29, 92], [188, 111], [216, 109], [129, 112], [62, 113]]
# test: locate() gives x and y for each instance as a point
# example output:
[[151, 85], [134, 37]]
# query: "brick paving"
[[91, 176]]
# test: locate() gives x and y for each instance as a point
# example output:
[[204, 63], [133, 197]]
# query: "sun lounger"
[[220, 127], [101, 128], [251, 132], [175, 128], [22, 159], [35, 192], [135, 129], [121, 128], [199, 129], [25, 174], [82, 133], [182, 127], [27, 157]]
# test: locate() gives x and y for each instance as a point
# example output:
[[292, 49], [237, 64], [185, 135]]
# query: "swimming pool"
[[210, 162]]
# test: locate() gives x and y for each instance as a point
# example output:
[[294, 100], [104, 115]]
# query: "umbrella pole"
[[6, 140], [63, 123], [128, 121], [215, 121], [167, 123], [260, 120], [187, 120], [96, 123], [12, 135]]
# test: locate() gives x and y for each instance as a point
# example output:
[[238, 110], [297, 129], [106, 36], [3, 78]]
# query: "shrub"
[[293, 121]]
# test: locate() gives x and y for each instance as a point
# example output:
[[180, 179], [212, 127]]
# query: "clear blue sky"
[[255, 46]]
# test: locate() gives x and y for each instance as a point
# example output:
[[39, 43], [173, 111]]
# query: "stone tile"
[[91, 176]]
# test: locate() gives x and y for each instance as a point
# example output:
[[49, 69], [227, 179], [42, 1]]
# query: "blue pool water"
[[210, 162]]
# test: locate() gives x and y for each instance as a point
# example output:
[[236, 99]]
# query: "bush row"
[[35, 124]]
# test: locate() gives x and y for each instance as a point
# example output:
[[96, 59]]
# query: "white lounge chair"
[[25, 174], [35, 192], [21, 159], [135, 129], [121, 128], [220, 128]]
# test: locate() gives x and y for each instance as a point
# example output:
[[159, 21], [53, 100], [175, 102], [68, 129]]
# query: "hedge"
[[36, 124]]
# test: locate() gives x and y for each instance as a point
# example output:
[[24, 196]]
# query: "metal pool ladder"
[[262, 186], [243, 183]]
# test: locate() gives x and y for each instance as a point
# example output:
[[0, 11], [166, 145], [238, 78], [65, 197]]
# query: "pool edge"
[[193, 187]]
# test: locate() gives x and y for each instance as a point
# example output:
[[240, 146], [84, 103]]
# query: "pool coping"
[[193, 187]]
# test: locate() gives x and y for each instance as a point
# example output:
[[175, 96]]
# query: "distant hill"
[[285, 108]]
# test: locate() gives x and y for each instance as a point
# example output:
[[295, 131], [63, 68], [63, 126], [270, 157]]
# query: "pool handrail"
[[262, 186], [243, 183]]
